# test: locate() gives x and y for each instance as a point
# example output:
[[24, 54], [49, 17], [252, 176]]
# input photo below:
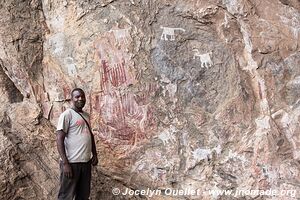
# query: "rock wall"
[[182, 94]]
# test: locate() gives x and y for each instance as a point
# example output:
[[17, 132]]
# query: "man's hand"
[[67, 170], [94, 160]]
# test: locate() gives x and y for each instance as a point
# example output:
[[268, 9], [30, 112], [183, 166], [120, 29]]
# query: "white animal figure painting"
[[167, 31], [204, 58], [201, 154], [167, 136], [69, 62], [72, 70], [121, 35]]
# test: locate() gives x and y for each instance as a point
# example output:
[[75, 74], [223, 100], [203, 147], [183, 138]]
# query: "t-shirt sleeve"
[[63, 122]]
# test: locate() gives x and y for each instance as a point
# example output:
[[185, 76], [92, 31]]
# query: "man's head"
[[78, 98]]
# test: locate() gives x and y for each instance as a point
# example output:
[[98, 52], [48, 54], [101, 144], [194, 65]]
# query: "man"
[[75, 144]]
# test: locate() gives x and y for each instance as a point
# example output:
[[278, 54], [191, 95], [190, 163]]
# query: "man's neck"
[[77, 109]]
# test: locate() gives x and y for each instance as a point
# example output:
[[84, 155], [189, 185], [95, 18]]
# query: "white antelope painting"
[[167, 31], [204, 58]]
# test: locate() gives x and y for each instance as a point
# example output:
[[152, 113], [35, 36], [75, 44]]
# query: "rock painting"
[[72, 71], [169, 32], [121, 35], [115, 75], [121, 118], [155, 169], [201, 154], [114, 63], [167, 136], [205, 59]]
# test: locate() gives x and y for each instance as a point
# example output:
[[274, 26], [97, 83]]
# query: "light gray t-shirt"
[[78, 141]]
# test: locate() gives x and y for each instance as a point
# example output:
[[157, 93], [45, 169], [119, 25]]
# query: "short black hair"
[[76, 89]]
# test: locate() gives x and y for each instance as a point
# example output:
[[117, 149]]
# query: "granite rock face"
[[190, 95]]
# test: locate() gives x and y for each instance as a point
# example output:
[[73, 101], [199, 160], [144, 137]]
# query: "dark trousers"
[[79, 185]]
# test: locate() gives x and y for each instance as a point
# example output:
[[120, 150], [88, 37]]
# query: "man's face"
[[78, 99]]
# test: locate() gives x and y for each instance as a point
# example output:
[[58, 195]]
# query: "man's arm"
[[62, 152], [94, 151]]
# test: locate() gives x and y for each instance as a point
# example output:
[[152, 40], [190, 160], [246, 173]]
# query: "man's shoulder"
[[67, 112], [70, 112]]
